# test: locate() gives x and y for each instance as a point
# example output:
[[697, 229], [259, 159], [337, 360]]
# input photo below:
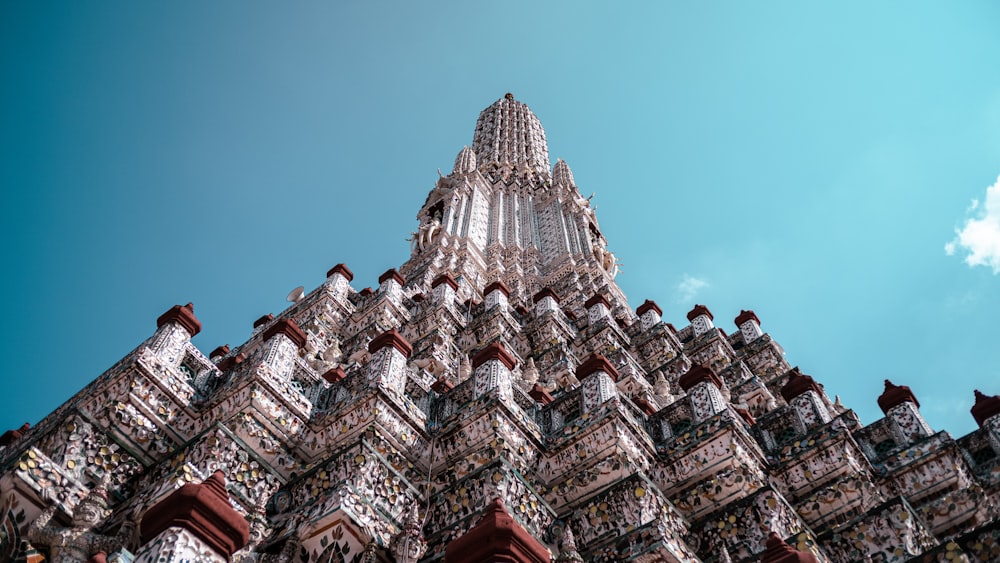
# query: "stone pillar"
[[387, 368], [391, 284], [174, 330], [598, 309], [497, 294], [704, 390], [598, 378], [701, 320], [649, 314], [546, 300], [900, 405], [492, 370], [749, 326], [194, 523], [443, 289], [282, 341], [497, 537], [803, 394], [338, 281]]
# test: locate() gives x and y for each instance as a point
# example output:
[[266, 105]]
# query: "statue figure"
[[530, 372], [426, 234], [79, 541], [409, 545], [464, 369]]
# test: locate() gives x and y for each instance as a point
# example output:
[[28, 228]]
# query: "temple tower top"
[[508, 135]]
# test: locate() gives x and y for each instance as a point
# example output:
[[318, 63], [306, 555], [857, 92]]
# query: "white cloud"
[[689, 287], [980, 236]]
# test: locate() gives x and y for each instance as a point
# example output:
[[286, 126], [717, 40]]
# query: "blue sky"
[[815, 163]]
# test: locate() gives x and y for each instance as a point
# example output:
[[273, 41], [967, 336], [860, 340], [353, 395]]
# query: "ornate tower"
[[494, 399]]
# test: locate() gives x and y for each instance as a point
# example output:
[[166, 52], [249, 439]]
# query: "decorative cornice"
[[986, 407], [182, 315], [289, 329], [335, 375], [698, 311], [497, 285], [495, 351], [444, 278], [547, 292], [895, 395], [497, 537], [797, 384], [696, 375], [597, 299], [648, 305], [391, 338], [745, 316], [595, 363], [203, 510], [342, 270], [391, 274]]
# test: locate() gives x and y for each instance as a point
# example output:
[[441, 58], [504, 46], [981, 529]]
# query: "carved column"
[[900, 405], [387, 368], [803, 393], [282, 341], [492, 370], [749, 326], [597, 377], [649, 314], [338, 281], [704, 390], [174, 330]]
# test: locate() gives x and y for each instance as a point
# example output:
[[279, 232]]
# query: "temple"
[[494, 398]]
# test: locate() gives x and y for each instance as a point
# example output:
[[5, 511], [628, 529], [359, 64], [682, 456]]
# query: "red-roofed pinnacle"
[[495, 351], [985, 408], [698, 311], [595, 363], [797, 384], [540, 395], [646, 306], [334, 375], [780, 552], [497, 537], [696, 375], [342, 270], [895, 395], [597, 299], [445, 278], [182, 315], [390, 338], [391, 274], [745, 316], [263, 320], [547, 292], [220, 351], [289, 329], [204, 510], [497, 285]]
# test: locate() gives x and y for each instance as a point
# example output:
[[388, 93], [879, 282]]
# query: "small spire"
[[562, 175], [465, 162]]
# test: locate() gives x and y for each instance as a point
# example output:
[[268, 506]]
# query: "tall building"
[[494, 399]]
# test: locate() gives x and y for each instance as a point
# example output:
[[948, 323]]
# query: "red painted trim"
[[895, 395], [495, 351], [445, 278], [497, 285], [289, 329], [182, 315], [986, 407], [698, 311], [648, 305], [595, 300], [391, 273], [595, 363], [342, 270], [797, 384], [391, 338], [547, 292], [745, 316], [696, 375], [203, 510], [497, 538]]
